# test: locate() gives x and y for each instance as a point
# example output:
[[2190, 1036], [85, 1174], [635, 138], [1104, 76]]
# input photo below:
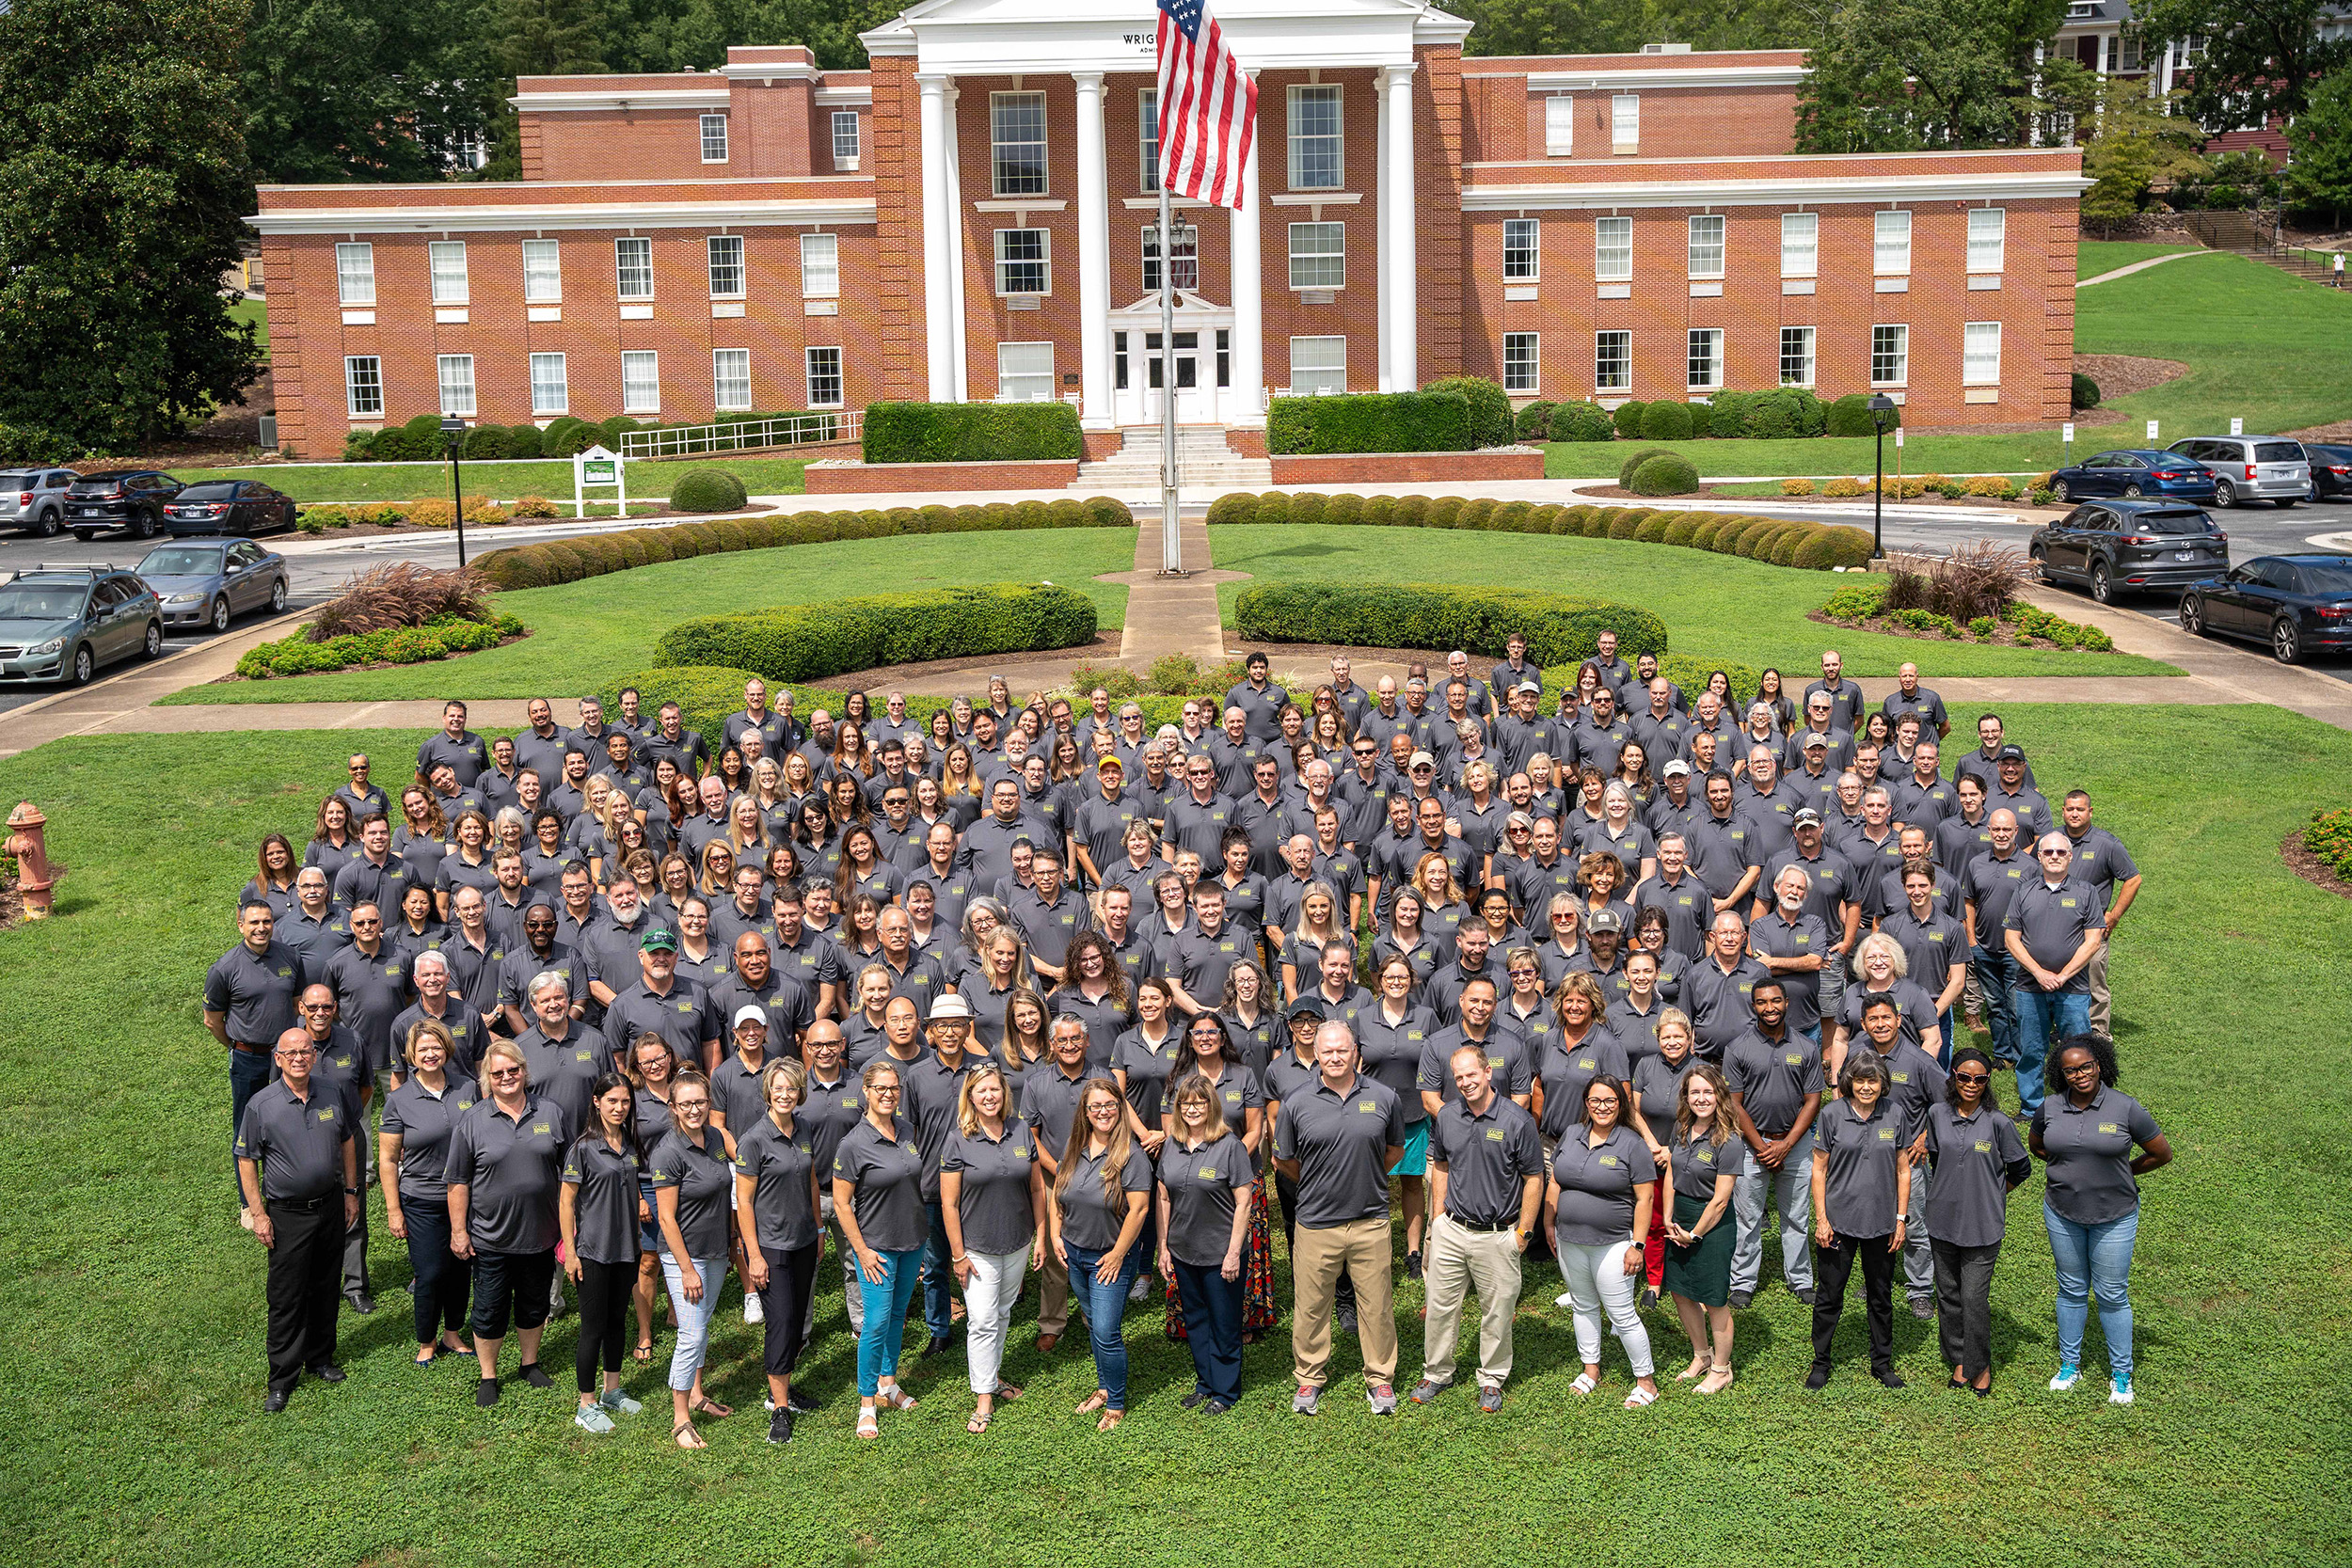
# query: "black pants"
[[248, 1074], [791, 1283], [517, 1280], [1964, 1303], [604, 1294], [1286, 1193], [443, 1280], [305, 1255], [1832, 1265]]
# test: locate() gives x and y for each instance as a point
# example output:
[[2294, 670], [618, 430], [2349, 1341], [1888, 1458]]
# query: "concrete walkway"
[[2142, 266]]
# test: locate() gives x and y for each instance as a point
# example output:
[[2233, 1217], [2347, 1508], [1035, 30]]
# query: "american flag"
[[1208, 110]]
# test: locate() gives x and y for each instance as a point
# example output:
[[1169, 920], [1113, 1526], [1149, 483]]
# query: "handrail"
[[781, 430]]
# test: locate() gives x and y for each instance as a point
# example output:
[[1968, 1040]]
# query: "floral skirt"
[[1258, 1309]]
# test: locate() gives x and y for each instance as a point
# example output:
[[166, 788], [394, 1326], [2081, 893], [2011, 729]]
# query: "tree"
[[2134, 146], [1557, 27], [2260, 57], [1902, 75], [343, 89], [2320, 178], [123, 182]]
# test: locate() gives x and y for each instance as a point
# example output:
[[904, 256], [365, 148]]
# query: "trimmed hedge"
[[802, 642], [1667, 474], [705, 694], [1666, 421], [972, 433], [1560, 629], [1581, 422], [1489, 408], [1625, 469], [707, 490], [437, 639], [1369, 422], [1850, 416]]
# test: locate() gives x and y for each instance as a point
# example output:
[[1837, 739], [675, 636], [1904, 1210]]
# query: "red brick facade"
[[907, 479], [1408, 468]]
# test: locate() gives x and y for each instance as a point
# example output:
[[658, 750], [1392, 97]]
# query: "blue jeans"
[[2043, 1017], [885, 1305], [2093, 1260], [1997, 974], [1211, 1328], [939, 1279], [1103, 1306], [248, 1074]]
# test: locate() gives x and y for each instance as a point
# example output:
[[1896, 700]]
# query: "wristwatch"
[[353, 1192]]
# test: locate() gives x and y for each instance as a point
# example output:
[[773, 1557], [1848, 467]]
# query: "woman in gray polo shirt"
[[1101, 1193], [992, 1196], [1204, 1171], [1861, 1191], [692, 1171], [599, 1216], [1600, 1202], [775, 1201], [1977, 1159]]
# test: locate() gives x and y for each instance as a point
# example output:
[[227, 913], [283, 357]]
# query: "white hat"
[[950, 1005], [750, 1012]]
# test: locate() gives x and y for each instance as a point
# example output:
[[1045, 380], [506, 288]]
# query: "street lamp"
[[1881, 417], [454, 431]]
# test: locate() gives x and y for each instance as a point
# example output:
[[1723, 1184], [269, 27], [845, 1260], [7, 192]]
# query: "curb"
[[291, 619]]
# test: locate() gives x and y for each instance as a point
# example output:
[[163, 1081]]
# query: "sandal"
[[1692, 1372], [643, 1352], [710, 1408], [1639, 1396], [1009, 1390], [424, 1356], [680, 1432], [1110, 1419], [978, 1424], [1709, 1384], [866, 1425], [1094, 1402], [895, 1397], [1585, 1382]]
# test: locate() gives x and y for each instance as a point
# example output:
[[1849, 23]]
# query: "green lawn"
[[1714, 606], [604, 627], [255, 311], [135, 1303], [399, 482], [2093, 257]]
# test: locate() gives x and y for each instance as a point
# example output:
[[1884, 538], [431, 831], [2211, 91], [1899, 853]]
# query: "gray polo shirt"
[[1507, 1059], [1721, 1004], [1699, 1166], [735, 1093], [1391, 1051], [2101, 860], [256, 992], [1992, 882], [1148, 1069], [1862, 1155], [1598, 1184], [1772, 1078], [994, 1200], [1658, 1091], [1049, 1102], [508, 1167], [1782, 940], [467, 756], [1090, 1216], [828, 1111], [1913, 1005], [885, 1177], [565, 1071], [1205, 1185], [1974, 1161], [421, 1121], [929, 1099], [2054, 920], [298, 1141], [783, 1219], [2089, 1154], [1341, 1142], [1568, 1073], [605, 1208], [1487, 1158]]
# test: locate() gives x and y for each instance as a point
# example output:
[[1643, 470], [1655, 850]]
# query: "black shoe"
[[1740, 1299], [1193, 1399], [1817, 1377], [1805, 1295], [1890, 1377], [798, 1403], [327, 1371], [939, 1342], [535, 1375], [779, 1424], [360, 1302], [1923, 1309], [1412, 1265], [1214, 1407], [1649, 1295], [485, 1393], [276, 1401]]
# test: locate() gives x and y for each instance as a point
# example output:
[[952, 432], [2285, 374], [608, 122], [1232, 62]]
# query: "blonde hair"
[[783, 1070], [1195, 1087], [432, 1028], [967, 1119], [498, 1049]]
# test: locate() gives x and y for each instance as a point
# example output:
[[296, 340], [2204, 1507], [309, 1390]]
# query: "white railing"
[[784, 430]]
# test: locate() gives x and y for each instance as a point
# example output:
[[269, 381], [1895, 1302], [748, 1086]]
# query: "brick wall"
[[897, 275], [905, 478], [1407, 468]]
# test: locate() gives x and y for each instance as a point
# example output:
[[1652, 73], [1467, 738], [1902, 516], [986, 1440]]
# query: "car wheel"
[[2285, 503], [2133, 492], [2287, 640], [220, 614], [143, 526], [2101, 588], [45, 527], [2059, 490], [278, 598], [154, 648], [2192, 615], [84, 666], [2224, 493]]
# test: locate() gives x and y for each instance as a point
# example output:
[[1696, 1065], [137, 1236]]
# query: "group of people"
[[1038, 990]]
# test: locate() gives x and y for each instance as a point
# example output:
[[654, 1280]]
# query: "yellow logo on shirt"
[[1019, 1151], [1586, 1064], [1704, 1156], [1900, 1077], [1372, 1105], [2109, 1126], [848, 1103], [285, 974], [580, 1055], [1886, 1135], [1494, 1134], [1208, 1173], [328, 1115], [1984, 1145], [1795, 1058], [1609, 1160], [2066, 903], [539, 1128]]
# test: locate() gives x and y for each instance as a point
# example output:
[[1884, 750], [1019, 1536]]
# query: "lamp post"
[[1881, 416], [454, 431]]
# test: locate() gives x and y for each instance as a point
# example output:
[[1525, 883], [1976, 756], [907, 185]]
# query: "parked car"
[[133, 498], [2331, 471], [33, 500], [205, 582], [2252, 467], [229, 506], [2123, 547], [2298, 604], [2135, 473], [62, 622]]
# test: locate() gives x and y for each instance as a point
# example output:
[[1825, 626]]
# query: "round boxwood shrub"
[[630, 545], [1581, 422], [1785, 547], [2086, 391], [1509, 518], [1307, 507], [1704, 526], [1233, 507], [1627, 418], [1560, 629], [1679, 531], [1441, 512], [1653, 527], [1030, 514], [1546, 518], [1726, 415], [1623, 521], [1475, 514], [568, 565], [1571, 520], [732, 535], [1834, 547], [1534, 422], [1634, 460], [1490, 423], [1667, 474], [1850, 416], [1596, 521], [1756, 531], [1412, 512], [1343, 508], [1666, 421], [706, 490], [810, 641]]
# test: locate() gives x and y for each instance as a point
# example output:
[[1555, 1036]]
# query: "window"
[[1187, 345], [1520, 358], [1981, 354], [1119, 362], [1183, 264], [1890, 356], [363, 385], [632, 262], [824, 378], [845, 139], [1025, 372], [731, 378], [727, 266], [1318, 365], [1988, 233], [1023, 262], [1796, 356], [543, 272], [1315, 139], [1890, 244], [1613, 249], [1559, 127], [714, 138], [1318, 255], [1016, 132], [1707, 246], [1800, 245], [1706, 358], [1625, 121], [1147, 127], [456, 383], [1224, 356], [549, 394], [641, 381], [448, 271], [820, 266], [1522, 258], [1613, 361], [355, 274]]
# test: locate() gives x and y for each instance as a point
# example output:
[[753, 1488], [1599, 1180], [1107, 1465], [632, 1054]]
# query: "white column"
[[1094, 257], [1380, 198], [959, 358], [1399, 250], [1248, 307], [938, 256]]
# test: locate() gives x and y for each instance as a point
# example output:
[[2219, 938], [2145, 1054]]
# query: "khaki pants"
[[1461, 1259], [2101, 1013], [1317, 1256], [1053, 1306]]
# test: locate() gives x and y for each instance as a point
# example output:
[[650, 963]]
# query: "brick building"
[[975, 218]]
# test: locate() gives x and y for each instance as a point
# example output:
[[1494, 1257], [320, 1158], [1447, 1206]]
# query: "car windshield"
[[2325, 577], [180, 560], [46, 601], [219, 490], [2171, 522], [2278, 451]]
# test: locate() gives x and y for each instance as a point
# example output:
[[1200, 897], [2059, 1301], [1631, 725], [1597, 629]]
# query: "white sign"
[[1898, 440], [2152, 433], [2066, 434], [2238, 427], [599, 467]]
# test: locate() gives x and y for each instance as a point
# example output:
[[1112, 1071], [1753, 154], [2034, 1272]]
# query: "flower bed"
[[437, 638], [2329, 838], [1863, 605]]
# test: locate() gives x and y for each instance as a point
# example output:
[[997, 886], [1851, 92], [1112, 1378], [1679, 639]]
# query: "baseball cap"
[[950, 1005], [1305, 1010], [1421, 759], [1815, 741], [1109, 762], [2011, 752], [1806, 817], [1607, 920], [660, 939], [750, 1012], [1676, 765], [1527, 686]]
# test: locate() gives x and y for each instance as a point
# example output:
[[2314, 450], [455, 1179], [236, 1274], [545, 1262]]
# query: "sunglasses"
[[1972, 1078]]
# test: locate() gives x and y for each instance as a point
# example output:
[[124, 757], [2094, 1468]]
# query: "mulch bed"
[[11, 905], [2304, 865], [2004, 635]]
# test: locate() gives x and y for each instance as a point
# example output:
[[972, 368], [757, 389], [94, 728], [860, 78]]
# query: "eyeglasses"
[[506, 1072], [1972, 1078], [2079, 1070], [295, 1052], [2047, 854]]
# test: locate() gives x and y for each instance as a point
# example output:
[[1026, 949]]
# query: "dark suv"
[[133, 499], [2122, 547]]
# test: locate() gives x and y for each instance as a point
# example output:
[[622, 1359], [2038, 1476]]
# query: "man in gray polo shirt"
[[2053, 924], [2101, 860], [296, 1146], [1776, 1081], [1485, 1185]]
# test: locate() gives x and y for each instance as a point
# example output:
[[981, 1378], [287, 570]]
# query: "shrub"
[[358, 447], [1726, 415], [1856, 601], [1834, 546], [1370, 421], [1546, 518], [1489, 408], [1626, 521], [1627, 418], [799, 643], [2329, 837], [568, 438], [706, 490], [1788, 542], [1634, 460], [1533, 422], [487, 441], [1796, 487], [1998, 486], [1560, 629], [1945, 485], [1745, 540], [1307, 508], [972, 433], [1114, 682], [537, 506], [1474, 514], [427, 511], [1581, 422], [1442, 510], [310, 522], [527, 440], [1379, 512], [1982, 628], [1173, 674], [1704, 527], [2042, 495], [1667, 474], [303, 654], [1922, 619], [1842, 488], [1274, 509], [1233, 507], [1652, 530], [484, 511], [1343, 508], [1666, 421], [1596, 521], [2085, 391], [1850, 416], [1679, 531], [1412, 511]]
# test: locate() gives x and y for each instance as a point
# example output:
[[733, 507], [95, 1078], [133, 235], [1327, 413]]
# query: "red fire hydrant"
[[32, 859]]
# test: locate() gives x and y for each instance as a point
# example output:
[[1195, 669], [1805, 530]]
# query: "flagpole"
[[1171, 547]]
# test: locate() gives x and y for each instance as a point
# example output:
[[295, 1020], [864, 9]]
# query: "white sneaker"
[[1563, 1299], [753, 1311], [2066, 1379], [2121, 1393]]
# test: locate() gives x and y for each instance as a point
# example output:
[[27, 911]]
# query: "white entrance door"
[[1204, 367]]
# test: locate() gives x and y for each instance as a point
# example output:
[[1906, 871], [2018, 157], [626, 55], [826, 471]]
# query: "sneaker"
[[1140, 1291], [2068, 1375], [1348, 1317], [1195, 1399], [780, 1427], [754, 1310], [1805, 1295], [1382, 1398], [798, 1403], [1923, 1309], [1214, 1407], [1563, 1299], [1490, 1397], [2121, 1393], [1817, 1377], [1426, 1390], [1740, 1299], [1412, 1265], [592, 1419], [1307, 1400], [618, 1403]]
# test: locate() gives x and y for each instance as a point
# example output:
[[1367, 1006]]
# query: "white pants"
[[988, 1311], [1597, 1286]]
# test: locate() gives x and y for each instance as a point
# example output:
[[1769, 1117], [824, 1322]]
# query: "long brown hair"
[[1115, 1149]]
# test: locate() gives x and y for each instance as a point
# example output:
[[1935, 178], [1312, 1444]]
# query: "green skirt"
[[1701, 1272]]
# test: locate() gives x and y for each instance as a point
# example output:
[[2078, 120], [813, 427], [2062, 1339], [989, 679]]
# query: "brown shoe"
[[1047, 1341]]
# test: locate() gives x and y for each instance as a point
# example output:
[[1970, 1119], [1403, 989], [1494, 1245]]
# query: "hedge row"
[[1776, 413], [1780, 541], [802, 642], [437, 639], [595, 554], [1560, 629], [1369, 422], [972, 433]]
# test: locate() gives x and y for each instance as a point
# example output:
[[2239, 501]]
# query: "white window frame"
[[1311, 268], [1000, 104], [1299, 141], [1318, 367], [1621, 379], [815, 375], [1042, 261], [1801, 338], [714, 134], [454, 374], [820, 266], [1148, 140], [716, 247], [1988, 240], [363, 385], [731, 380], [1185, 259], [1890, 243], [1006, 378], [560, 386], [447, 258], [1625, 121], [1522, 250], [355, 273], [1560, 126], [1705, 245], [1898, 356], [1703, 362], [641, 381], [1613, 250], [638, 246], [848, 149], [1800, 245], [1523, 363], [1980, 354], [543, 272]]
